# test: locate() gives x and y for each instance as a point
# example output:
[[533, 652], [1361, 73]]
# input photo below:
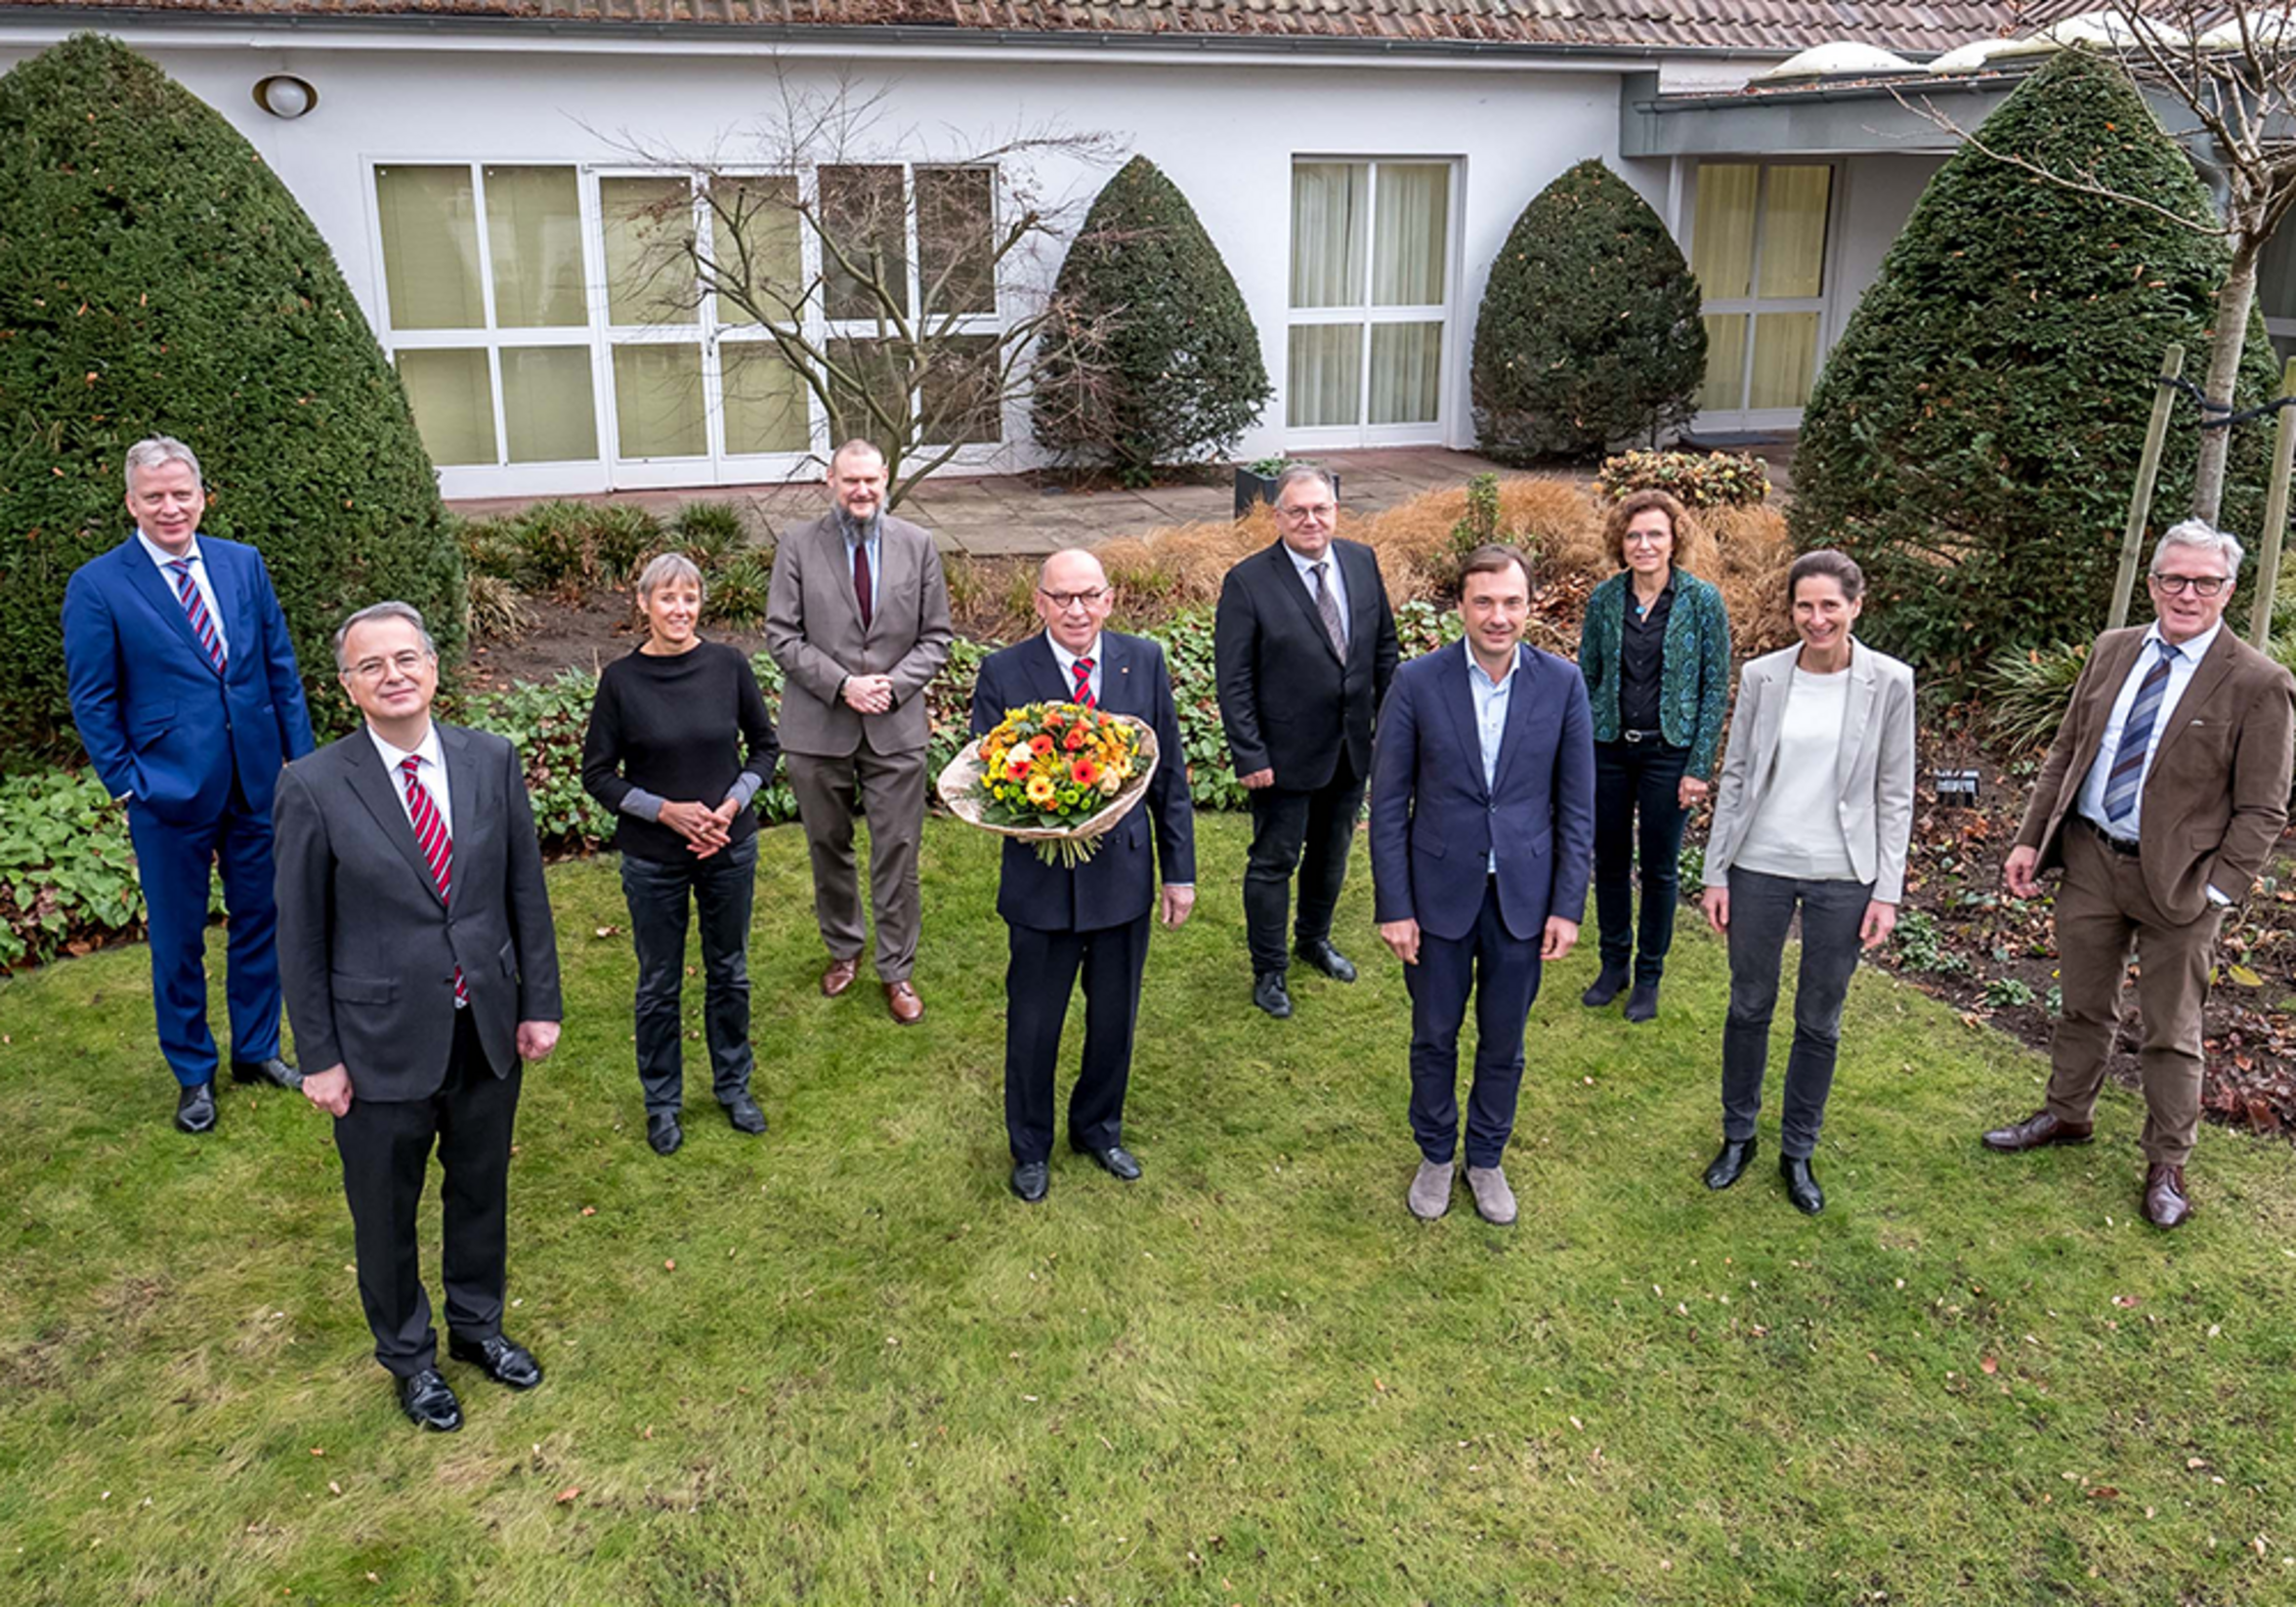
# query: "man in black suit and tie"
[[1095, 918], [420, 969], [1304, 643]]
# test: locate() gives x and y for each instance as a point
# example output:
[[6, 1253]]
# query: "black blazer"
[[368, 951], [1117, 883], [1286, 700]]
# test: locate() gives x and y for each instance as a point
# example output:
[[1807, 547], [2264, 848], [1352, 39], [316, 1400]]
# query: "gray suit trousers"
[[888, 790]]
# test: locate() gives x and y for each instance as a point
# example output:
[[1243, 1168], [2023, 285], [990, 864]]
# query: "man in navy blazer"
[[185, 691], [1095, 918], [1482, 835]]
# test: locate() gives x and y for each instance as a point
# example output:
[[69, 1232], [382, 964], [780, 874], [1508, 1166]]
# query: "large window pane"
[[548, 413], [1324, 379], [766, 407], [956, 239], [453, 404], [648, 223], [865, 230], [1793, 232], [658, 402], [862, 372], [430, 247], [1785, 359], [2275, 276], [754, 244], [1725, 362], [1407, 246], [958, 392], [1331, 203], [535, 235], [1406, 372], [1721, 229]]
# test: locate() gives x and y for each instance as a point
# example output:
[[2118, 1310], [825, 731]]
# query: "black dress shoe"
[[1270, 994], [1116, 1161], [1643, 1002], [196, 1108], [1328, 959], [1801, 1184], [510, 1365], [428, 1403], [1730, 1166], [273, 1071], [742, 1111], [1032, 1180], [1607, 987], [663, 1132]]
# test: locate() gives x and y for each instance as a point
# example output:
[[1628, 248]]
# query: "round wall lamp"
[[284, 95]]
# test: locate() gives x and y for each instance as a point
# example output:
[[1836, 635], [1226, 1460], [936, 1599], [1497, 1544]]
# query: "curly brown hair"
[[1695, 549]]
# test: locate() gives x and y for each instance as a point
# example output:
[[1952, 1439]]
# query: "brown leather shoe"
[[2165, 1204], [839, 976], [903, 1004], [2037, 1131]]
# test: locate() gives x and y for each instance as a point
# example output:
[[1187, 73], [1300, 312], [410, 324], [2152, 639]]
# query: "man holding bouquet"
[[1091, 917]]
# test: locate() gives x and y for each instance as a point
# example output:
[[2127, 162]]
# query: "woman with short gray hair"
[[679, 743]]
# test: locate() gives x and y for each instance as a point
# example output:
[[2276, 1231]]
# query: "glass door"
[[1758, 243]]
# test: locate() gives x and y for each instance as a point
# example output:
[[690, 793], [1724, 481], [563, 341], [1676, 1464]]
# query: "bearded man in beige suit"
[[856, 615], [2160, 799]]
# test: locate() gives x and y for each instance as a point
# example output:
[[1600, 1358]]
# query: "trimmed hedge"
[[1975, 435], [155, 277], [1154, 358], [1589, 335]]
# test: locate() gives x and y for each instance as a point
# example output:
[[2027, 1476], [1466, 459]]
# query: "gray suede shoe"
[[1494, 1199], [1430, 1189]]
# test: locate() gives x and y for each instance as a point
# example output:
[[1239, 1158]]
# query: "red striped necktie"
[[1082, 669], [438, 848], [196, 610]]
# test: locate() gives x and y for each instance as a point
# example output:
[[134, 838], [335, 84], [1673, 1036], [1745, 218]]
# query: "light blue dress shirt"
[[871, 537], [2181, 668], [1491, 700]]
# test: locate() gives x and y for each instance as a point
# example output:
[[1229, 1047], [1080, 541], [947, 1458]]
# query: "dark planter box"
[[1253, 487]]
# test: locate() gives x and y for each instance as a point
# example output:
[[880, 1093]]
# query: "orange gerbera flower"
[[1016, 766], [1084, 773], [1041, 744]]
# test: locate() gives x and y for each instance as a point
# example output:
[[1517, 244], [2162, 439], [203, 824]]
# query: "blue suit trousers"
[[172, 863]]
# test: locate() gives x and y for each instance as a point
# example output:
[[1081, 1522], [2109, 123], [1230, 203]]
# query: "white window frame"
[[1762, 420]]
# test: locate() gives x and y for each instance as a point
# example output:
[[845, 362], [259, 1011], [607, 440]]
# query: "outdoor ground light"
[[1955, 786], [284, 95]]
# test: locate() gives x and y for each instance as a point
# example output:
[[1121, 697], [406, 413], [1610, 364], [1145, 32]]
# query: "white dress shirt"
[[1067, 662], [1333, 579], [160, 556], [432, 771], [2181, 668]]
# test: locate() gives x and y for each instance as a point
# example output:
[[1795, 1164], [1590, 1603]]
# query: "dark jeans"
[[1501, 972], [1634, 779], [1283, 825], [721, 886], [1762, 908]]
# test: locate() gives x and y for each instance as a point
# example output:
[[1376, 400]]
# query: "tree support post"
[[2132, 542], [2276, 517]]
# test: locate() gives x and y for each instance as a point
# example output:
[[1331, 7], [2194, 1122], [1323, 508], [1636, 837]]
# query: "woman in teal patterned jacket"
[[1655, 651]]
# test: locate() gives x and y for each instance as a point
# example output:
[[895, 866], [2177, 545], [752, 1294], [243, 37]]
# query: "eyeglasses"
[[1312, 510], [2199, 585], [1063, 600], [375, 669], [1645, 538]]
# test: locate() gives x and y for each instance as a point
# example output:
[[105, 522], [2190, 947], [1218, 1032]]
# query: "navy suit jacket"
[[1117, 885], [155, 718], [1435, 824]]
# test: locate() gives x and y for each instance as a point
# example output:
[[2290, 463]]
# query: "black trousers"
[[1638, 783], [721, 889], [1043, 969], [1501, 971], [1761, 909], [386, 1150], [1307, 831]]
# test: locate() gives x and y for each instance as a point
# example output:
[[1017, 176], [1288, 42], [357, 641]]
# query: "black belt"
[[2125, 849], [1642, 736]]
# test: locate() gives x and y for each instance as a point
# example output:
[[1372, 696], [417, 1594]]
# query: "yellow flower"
[[1040, 789]]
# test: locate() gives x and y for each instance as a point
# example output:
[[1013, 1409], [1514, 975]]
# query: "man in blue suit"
[[1095, 918], [184, 688], [1482, 834]]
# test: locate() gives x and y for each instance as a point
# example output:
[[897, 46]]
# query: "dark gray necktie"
[[1328, 607]]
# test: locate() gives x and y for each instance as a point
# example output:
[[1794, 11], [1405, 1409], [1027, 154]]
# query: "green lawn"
[[842, 1365]]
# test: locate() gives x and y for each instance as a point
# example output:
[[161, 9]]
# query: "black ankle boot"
[[1607, 987], [1801, 1184]]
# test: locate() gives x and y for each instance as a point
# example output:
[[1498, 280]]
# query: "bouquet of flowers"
[[1058, 775]]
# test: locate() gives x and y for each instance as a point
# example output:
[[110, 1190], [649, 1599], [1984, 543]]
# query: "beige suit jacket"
[[813, 631], [2215, 798]]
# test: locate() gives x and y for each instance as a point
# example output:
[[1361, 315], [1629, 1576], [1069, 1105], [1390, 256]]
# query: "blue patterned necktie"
[[2121, 782], [195, 610]]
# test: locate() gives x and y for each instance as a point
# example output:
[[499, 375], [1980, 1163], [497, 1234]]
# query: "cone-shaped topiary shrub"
[[1589, 336], [156, 278], [1152, 357], [1974, 438]]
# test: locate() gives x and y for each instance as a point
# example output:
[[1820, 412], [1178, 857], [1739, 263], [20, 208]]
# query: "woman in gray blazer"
[[1815, 811]]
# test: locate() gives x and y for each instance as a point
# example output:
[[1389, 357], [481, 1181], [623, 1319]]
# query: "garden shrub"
[[1153, 356], [68, 875], [1699, 480], [156, 277], [1975, 435], [1589, 334]]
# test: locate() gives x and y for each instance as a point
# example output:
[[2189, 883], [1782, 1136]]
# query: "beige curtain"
[[658, 402], [1785, 359], [1793, 232], [765, 402], [648, 279], [534, 236], [548, 410], [1721, 229], [1406, 372], [1324, 379], [1331, 203], [1407, 242], [1724, 388], [430, 247], [453, 404]]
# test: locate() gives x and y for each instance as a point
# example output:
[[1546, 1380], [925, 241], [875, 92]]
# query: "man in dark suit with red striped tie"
[[421, 970]]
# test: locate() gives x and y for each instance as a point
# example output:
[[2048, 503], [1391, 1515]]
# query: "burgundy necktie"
[[861, 587], [1082, 669], [438, 848]]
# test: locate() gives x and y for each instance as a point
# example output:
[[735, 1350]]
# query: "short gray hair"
[[382, 610], [1296, 474], [153, 451], [2201, 536], [856, 444], [668, 567]]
